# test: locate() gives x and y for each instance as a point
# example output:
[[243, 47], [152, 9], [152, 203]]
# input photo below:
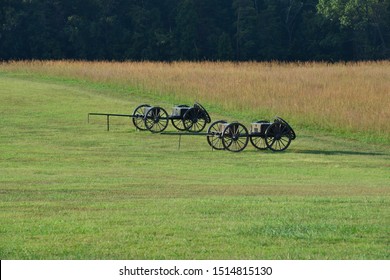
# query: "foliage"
[[169, 30], [369, 20]]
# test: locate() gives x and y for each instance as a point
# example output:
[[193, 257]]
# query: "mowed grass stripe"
[[200, 228], [71, 190]]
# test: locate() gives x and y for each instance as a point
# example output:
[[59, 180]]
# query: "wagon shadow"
[[333, 153]]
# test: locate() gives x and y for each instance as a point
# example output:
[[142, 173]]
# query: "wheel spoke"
[[283, 140], [236, 141], [239, 144], [277, 145], [240, 141]]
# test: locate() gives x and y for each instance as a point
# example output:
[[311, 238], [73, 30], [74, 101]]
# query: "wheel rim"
[[215, 139], [194, 120], [156, 119], [277, 137], [138, 116], [235, 137]]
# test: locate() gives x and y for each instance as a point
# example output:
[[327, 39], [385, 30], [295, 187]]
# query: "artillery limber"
[[234, 136], [155, 119], [221, 135]]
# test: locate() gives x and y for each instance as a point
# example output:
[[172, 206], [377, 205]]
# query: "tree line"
[[167, 30]]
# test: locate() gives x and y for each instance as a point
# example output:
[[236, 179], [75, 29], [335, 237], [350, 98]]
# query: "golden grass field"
[[349, 98]]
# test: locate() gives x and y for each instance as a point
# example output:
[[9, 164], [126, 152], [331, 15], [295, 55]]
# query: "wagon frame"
[[234, 136], [155, 119]]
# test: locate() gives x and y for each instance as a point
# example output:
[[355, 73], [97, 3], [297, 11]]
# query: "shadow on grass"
[[332, 153]]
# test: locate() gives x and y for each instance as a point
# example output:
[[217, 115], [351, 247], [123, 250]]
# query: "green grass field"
[[72, 190]]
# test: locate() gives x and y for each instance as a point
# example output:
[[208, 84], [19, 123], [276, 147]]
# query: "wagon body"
[[221, 127], [179, 111], [259, 128], [183, 118]]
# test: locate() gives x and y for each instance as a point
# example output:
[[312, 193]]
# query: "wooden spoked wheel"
[[235, 137], [194, 120], [278, 137], [156, 119]]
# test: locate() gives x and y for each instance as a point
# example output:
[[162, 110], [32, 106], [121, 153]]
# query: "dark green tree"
[[245, 29], [271, 34], [364, 20], [225, 49], [195, 29], [186, 31]]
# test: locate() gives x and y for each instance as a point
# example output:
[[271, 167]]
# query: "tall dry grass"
[[345, 97]]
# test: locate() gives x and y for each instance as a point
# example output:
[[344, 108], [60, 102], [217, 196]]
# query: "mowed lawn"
[[72, 190]]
